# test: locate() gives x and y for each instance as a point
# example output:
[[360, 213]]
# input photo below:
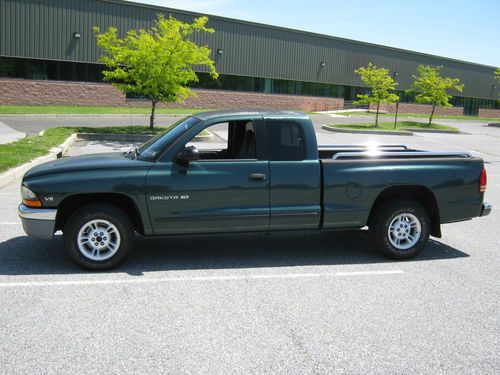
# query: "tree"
[[156, 63], [432, 89], [382, 86]]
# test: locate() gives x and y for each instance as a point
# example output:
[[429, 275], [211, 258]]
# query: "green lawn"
[[420, 115], [70, 110], [389, 126], [26, 149]]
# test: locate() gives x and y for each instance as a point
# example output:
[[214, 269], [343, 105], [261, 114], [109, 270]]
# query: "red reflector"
[[483, 180]]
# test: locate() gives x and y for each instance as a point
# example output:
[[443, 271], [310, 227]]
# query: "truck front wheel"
[[401, 229], [98, 236]]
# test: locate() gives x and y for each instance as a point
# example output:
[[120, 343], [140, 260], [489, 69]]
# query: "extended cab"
[[221, 172]]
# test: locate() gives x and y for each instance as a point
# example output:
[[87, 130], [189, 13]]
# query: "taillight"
[[483, 180]]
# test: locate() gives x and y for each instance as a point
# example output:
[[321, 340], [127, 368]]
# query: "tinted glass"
[[286, 140]]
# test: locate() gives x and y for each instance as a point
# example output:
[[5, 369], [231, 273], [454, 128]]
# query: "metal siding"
[[43, 29]]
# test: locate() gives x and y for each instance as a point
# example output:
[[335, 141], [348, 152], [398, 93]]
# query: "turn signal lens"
[[32, 203], [29, 197], [483, 180]]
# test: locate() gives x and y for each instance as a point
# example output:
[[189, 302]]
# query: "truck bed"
[[355, 175]]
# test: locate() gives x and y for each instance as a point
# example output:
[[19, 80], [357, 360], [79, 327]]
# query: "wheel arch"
[[73, 202], [421, 194]]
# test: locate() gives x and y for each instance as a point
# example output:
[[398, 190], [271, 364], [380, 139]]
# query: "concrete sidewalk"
[[7, 134]]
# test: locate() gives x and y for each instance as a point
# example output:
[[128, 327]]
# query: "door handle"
[[257, 176]]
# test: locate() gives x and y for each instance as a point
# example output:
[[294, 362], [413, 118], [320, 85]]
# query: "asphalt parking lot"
[[300, 303]]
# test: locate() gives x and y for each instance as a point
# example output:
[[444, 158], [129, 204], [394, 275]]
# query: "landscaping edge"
[[410, 131], [382, 132], [15, 173], [57, 152]]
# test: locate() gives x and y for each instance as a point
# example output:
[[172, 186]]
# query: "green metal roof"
[[44, 29]]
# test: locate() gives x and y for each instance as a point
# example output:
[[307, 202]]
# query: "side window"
[[286, 140], [214, 138], [228, 140]]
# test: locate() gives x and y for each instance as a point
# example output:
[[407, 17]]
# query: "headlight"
[[29, 197], [26, 193]]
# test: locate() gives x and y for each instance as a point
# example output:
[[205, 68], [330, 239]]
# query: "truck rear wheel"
[[401, 229], [98, 236]]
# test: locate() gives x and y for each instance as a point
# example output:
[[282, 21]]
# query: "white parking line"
[[10, 223], [194, 278]]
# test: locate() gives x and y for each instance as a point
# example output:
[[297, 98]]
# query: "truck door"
[[295, 177], [226, 190]]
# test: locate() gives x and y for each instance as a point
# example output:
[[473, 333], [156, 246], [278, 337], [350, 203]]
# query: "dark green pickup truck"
[[221, 172]]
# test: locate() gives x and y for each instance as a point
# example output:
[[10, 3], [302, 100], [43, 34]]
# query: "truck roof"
[[264, 114]]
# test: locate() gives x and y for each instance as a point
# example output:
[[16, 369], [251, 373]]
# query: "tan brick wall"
[[28, 92], [489, 112], [419, 108], [32, 92]]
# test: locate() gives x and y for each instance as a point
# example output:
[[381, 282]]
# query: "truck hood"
[[112, 160]]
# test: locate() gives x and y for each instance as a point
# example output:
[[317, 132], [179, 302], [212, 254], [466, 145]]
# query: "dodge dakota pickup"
[[255, 171]]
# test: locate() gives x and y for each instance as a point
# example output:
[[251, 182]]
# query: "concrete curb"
[[15, 173], [435, 131], [340, 130]]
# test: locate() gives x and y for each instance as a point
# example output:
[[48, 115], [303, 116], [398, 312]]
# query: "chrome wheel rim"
[[404, 231], [98, 240]]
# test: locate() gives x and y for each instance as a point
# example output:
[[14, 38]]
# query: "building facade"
[[48, 46]]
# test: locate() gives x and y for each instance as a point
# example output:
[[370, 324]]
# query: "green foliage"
[[382, 86], [432, 89], [157, 63]]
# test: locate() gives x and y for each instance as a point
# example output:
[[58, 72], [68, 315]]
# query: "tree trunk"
[[396, 116], [432, 113], [152, 117], [376, 116]]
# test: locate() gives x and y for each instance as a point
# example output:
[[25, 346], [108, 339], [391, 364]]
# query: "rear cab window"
[[286, 140]]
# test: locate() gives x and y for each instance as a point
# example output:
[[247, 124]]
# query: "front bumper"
[[485, 209], [38, 222]]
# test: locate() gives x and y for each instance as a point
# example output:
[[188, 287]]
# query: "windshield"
[[155, 146]]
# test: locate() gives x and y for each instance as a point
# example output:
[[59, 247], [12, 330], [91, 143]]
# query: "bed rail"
[[362, 146], [376, 154]]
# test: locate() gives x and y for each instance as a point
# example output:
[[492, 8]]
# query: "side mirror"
[[188, 154]]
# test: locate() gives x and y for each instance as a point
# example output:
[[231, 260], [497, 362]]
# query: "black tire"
[[105, 218], [414, 237]]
